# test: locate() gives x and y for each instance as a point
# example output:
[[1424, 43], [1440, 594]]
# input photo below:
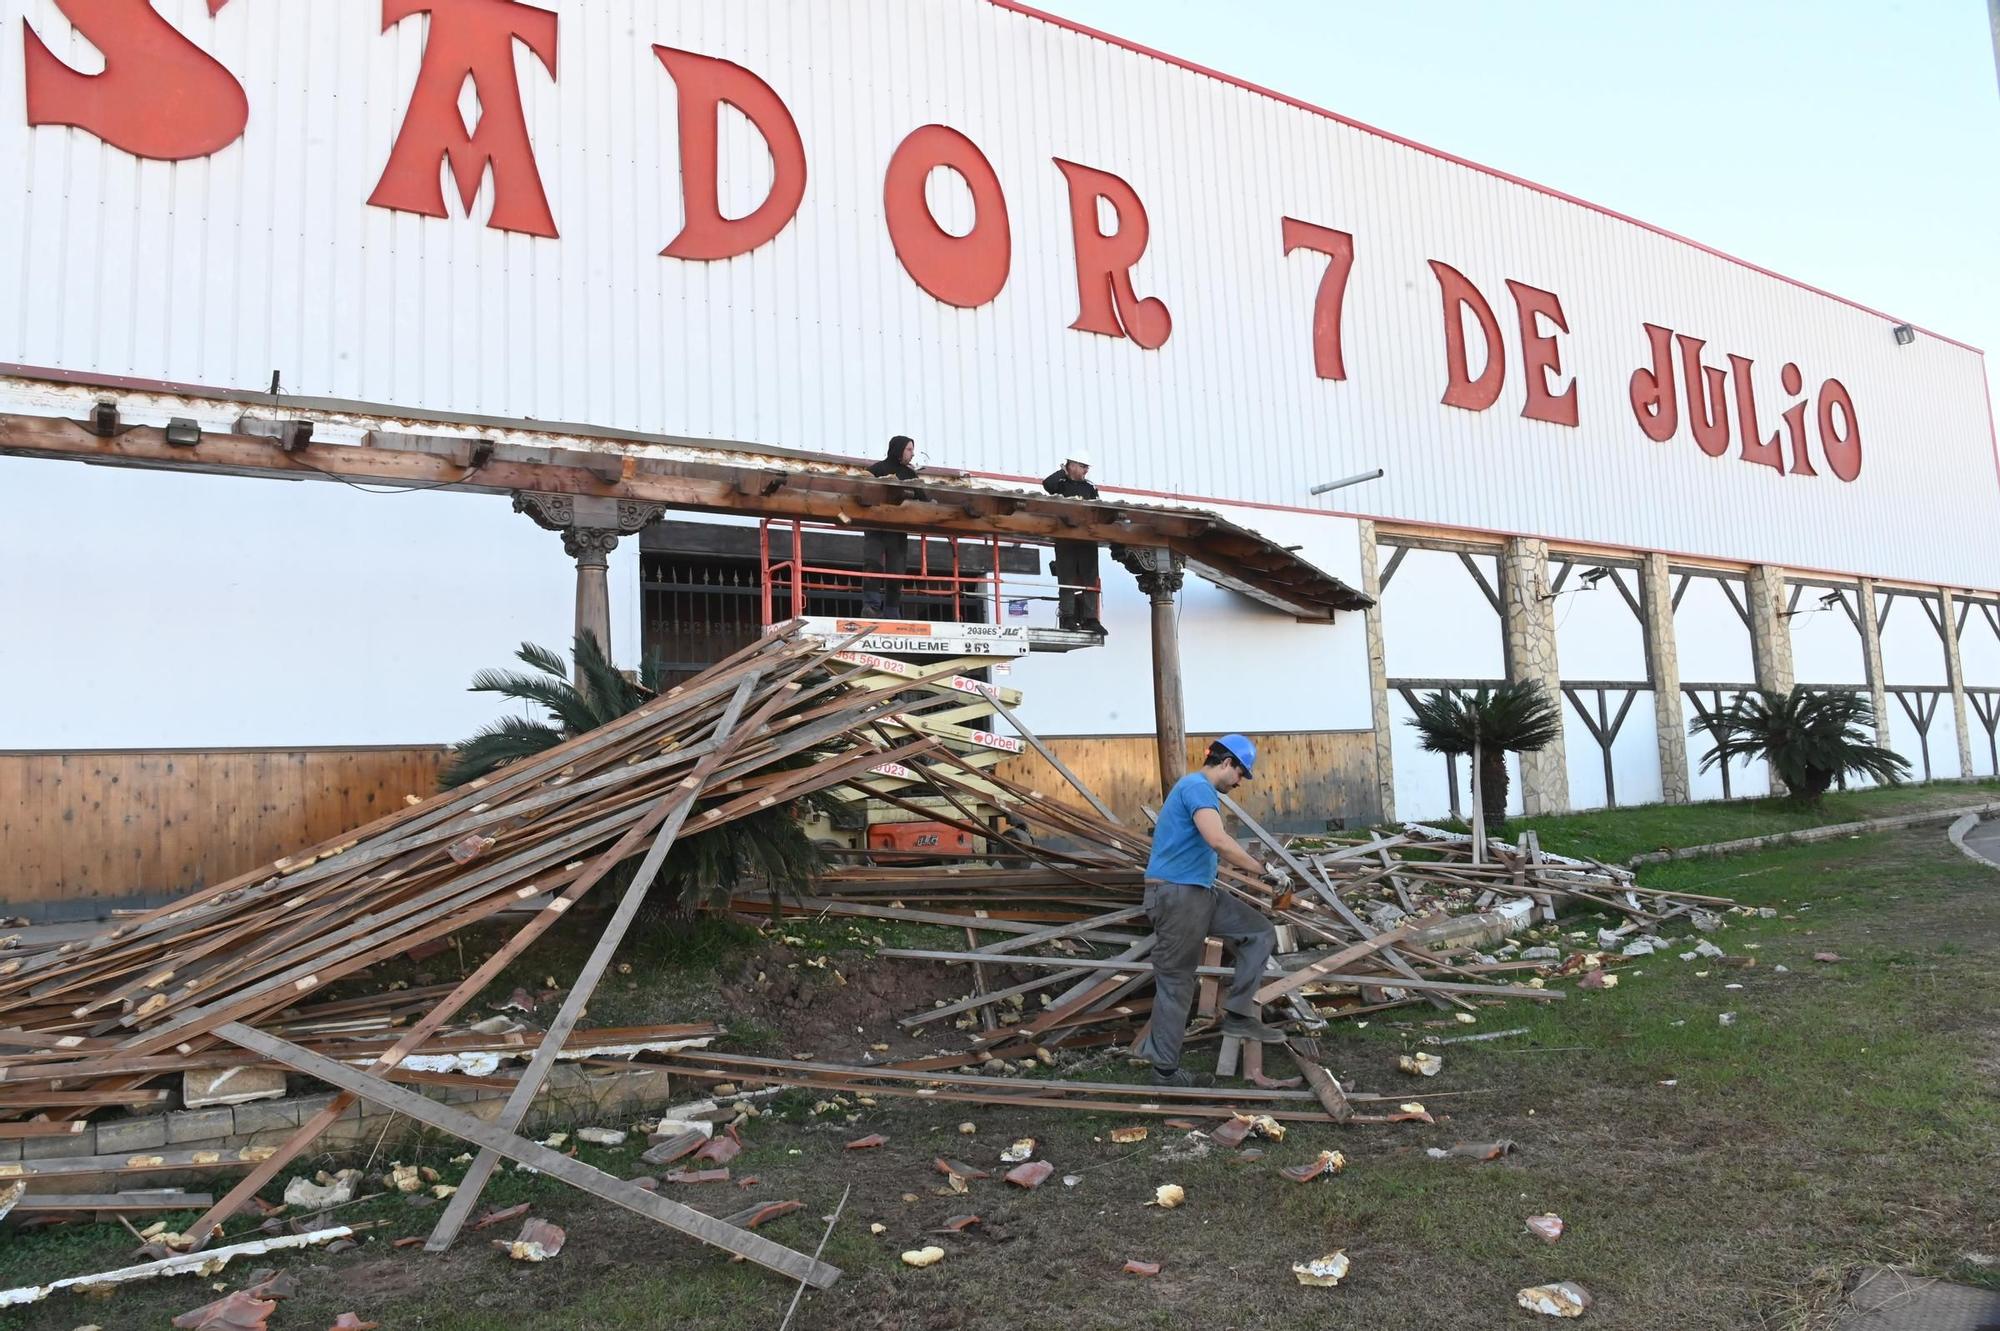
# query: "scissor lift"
[[952, 656]]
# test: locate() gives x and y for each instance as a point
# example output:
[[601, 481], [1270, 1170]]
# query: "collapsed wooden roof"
[[688, 474]]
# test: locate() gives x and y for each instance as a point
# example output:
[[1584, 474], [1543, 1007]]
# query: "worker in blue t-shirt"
[[1186, 909]]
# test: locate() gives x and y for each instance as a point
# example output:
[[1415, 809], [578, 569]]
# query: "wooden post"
[[593, 583], [1160, 573]]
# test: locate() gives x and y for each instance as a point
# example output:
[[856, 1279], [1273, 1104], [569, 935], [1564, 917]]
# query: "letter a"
[[470, 39]]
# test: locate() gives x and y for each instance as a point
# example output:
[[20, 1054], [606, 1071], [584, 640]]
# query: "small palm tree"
[[600, 696], [1811, 738], [770, 845], [1512, 718]]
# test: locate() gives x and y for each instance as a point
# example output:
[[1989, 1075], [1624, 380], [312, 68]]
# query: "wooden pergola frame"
[[377, 445]]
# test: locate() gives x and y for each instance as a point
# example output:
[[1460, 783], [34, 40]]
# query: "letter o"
[[1842, 450], [967, 271]]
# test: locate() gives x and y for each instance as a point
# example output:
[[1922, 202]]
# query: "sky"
[[1850, 144]]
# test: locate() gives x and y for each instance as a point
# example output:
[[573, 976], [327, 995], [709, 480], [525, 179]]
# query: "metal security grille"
[[697, 609], [695, 612]]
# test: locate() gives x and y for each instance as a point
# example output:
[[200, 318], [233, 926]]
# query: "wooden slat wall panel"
[[81, 833], [1303, 778]]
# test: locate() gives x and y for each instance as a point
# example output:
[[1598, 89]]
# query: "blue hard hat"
[[1243, 749]]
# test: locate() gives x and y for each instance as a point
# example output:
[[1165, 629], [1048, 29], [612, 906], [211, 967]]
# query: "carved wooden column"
[[1160, 573], [591, 527]]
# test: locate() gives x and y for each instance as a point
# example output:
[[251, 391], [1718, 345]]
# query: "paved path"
[[1982, 841], [1885, 1299]]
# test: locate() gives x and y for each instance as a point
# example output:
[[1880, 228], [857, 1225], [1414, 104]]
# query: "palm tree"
[[600, 696], [1512, 718], [770, 845], [1811, 738]]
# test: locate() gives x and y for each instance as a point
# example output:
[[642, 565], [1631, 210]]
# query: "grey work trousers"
[[1184, 918]]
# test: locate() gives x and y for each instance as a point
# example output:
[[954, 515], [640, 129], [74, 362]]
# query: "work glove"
[[1277, 874]]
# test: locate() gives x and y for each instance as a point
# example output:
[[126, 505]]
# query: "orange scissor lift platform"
[[942, 660]]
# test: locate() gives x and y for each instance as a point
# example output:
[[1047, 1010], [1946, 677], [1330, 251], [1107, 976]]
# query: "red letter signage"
[[1842, 447], [966, 271], [1708, 413], [1338, 246], [470, 39], [1795, 421], [1764, 452], [1655, 404], [1539, 355], [160, 95], [1107, 302], [702, 84], [1461, 389]]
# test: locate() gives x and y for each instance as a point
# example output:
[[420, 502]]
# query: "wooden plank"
[[1048, 755], [175, 1161], [1376, 980], [1278, 988], [1081, 928], [1209, 988], [466, 1127], [41, 1127], [64, 1203]]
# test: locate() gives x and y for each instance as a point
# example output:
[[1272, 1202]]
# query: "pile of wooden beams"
[[1050, 905], [1367, 925], [92, 1022]]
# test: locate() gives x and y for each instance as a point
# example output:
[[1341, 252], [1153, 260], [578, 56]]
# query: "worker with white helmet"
[[1186, 909], [1076, 561]]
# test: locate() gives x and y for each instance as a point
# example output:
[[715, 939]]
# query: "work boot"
[[1250, 1028], [1182, 1079], [1095, 626]]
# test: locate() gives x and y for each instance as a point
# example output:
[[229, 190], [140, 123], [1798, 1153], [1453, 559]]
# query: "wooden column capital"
[[1159, 571]]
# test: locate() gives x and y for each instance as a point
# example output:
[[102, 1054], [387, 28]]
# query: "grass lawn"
[[1616, 835], [1711, 1176]]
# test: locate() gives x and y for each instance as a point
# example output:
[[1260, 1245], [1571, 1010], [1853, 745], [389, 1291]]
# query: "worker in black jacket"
[[1076, 561], [888, 552]]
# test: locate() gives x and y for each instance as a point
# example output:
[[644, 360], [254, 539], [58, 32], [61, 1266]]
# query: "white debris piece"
[[307, 1195], [1324, 1272], [206, 1263], [1567, 1299]]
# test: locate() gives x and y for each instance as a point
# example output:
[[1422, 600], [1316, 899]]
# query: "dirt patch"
[[848, 1004], [369, 1283]]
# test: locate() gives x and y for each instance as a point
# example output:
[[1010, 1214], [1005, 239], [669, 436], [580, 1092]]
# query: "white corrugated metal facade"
[[267, 255], [331, 618]]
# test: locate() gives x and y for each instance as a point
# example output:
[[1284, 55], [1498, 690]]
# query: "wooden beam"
[[1048, 756], [1376, 980], [464, 1126], [758, 484]]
